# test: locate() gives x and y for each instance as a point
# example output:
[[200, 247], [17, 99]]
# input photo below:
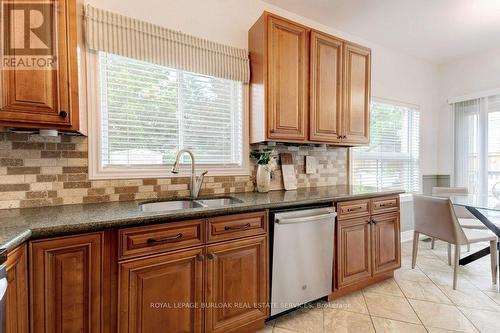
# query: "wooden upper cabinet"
[[17, 291], [326, 88], [386, 242], [307, 86], [288, 74], [357, 72], [237, 277], [43, 98], [155, 293], [279, 55], [66, 281]]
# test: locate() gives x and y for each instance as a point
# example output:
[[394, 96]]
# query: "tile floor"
[[419, 300]]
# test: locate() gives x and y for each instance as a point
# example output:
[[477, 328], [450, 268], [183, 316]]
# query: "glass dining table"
[[487, 210]]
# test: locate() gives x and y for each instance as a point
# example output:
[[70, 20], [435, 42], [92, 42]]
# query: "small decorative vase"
[[263, 179]]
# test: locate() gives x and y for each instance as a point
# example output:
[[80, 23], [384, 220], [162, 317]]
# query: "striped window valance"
[[113, 33]]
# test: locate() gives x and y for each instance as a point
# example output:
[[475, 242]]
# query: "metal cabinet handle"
[[164, 239], [238, 227], [211, 256], [63, 114], [385, 205], [354, 209], [200, 257], [374, 222]]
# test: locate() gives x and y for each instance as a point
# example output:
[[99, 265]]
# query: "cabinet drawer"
[[236, 226], [353, 209], [160, 238], [385, 205]]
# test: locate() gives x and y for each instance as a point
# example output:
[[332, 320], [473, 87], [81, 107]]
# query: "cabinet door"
[[288, 80], [65, 284], [357, 61], [17, 291], [354, 261], [236, 278], [326, 88], [162, 293], [386, 242], [42, 98]]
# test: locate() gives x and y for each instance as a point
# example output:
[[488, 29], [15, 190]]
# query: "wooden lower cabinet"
[[236, 284], [17, 291], [368, 247], [386, 242], [66, 281], [162, 293], [354, 258]]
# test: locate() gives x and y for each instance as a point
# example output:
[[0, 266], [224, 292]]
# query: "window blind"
[[110, 32], [391, 161], [149, 112]]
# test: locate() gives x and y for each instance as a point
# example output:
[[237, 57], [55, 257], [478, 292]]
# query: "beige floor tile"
[[494, 295], [340, 321], [425, 291], [390, 307], [446, 279], [386, 287], [411, 275], [485, 321], [482, 281], [441, 330], [441, 316], [470, 298], [354, 302], [433, 265], [383, 325], [303, 320], [282, 330]]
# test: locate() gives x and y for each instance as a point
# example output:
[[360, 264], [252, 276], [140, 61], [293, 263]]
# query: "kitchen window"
[[391, 161], [147, 112]]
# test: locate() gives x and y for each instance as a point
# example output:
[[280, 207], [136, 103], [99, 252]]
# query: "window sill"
[[107, 173]]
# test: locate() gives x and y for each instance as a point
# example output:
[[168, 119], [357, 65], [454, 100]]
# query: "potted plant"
[[266, 164]]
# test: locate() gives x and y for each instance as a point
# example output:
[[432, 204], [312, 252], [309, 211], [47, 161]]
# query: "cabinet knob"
[[374, 222], [63, 114], [273, 130], [344, 137], [200, 257], [211, 256]]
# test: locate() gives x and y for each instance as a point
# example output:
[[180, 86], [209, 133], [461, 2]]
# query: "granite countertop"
[[19, 225]]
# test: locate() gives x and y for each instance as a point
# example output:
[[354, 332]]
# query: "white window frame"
[[98, 172], [406, 196]]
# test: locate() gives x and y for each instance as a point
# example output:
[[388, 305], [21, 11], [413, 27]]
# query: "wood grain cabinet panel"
[[162, 293], [354, 258], [326, 88], [17, 291], [236, 276], [288, 79], [386, 242], [357, 62], [44, 98], [66, 279], [228, 227]]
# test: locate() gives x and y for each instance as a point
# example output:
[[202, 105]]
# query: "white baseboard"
[[406, 236]]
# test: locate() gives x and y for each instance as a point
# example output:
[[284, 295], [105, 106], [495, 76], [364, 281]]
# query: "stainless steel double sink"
[[160, 206]]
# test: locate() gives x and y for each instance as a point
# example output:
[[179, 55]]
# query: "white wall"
[[474, 73], [395, 76]]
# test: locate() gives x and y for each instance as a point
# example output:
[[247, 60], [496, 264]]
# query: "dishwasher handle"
[[311, 218]]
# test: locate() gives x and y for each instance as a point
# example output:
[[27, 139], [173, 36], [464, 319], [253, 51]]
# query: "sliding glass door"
[[477, 144]]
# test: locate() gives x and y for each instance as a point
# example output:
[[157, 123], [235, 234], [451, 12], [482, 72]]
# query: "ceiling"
[[438, 31]]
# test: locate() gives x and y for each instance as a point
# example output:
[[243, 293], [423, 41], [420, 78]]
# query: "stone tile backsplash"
[[40, 171]]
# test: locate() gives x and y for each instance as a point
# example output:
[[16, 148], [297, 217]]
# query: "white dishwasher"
[[302, 257]]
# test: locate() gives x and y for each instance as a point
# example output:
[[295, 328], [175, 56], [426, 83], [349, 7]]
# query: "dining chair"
[[436, 217], [465, 218]]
